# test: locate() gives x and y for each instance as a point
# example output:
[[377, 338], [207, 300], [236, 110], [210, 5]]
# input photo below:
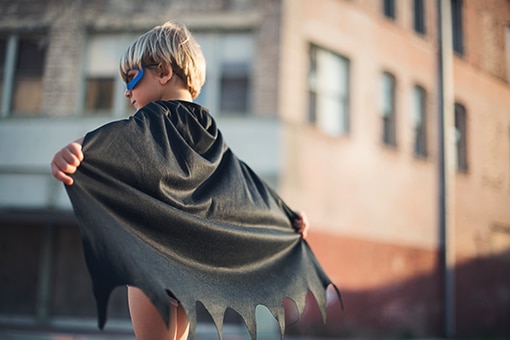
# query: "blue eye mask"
[[132, 83]]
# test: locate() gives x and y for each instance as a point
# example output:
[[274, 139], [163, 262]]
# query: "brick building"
[[360, 101], [341, 99]]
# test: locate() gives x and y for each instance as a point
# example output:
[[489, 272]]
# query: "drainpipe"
[[446, 163]]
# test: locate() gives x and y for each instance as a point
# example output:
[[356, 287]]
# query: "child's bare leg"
[[147, 322], [182, 322]]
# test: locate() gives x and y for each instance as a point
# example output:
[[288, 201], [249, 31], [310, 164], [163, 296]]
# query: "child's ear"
[[165, 73]]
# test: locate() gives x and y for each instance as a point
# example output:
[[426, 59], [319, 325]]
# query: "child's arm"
[[66, 161], [301, 224]]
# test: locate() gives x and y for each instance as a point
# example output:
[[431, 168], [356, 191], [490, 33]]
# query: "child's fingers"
[[301, 224], [72, 154], [70, 160], [76, 149], [66, 161], [60, 175]]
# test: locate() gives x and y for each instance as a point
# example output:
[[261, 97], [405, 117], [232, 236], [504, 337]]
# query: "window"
[[457, 29], [22, 66], [419, 120], [3, 51], [387, 109], [99, 94], [104, 88], [31, 56], [419, 16], [461, 137], [389, 9], [328, 88], [229, 58], [507, 44]]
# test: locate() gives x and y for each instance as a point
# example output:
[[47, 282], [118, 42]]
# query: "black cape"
[[163, 204]]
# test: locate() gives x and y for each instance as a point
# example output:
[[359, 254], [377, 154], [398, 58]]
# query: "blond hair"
[[170, 44]]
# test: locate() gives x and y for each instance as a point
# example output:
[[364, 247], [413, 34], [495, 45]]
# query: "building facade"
[[59, 79], [360, 99], [334, 102]]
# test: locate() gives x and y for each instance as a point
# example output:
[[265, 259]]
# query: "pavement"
[[203, 332], [19, 328], [70, 329], [53, 335]]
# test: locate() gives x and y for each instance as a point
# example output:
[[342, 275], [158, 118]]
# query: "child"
[[165, 207]]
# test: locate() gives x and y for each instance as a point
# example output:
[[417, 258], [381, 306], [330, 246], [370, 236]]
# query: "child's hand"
[[301, 224], [66, 161]]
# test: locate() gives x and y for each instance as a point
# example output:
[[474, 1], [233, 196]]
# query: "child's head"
[[172, 45]]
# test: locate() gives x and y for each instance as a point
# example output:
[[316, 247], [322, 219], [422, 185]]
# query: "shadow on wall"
[[414, 307]]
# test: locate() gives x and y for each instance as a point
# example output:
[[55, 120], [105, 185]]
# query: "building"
[[342, 99], [359, 98], [59, 79]]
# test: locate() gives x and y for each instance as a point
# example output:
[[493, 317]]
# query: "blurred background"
[[387, 121]]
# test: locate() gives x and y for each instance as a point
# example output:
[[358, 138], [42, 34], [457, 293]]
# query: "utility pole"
[[446, 163]]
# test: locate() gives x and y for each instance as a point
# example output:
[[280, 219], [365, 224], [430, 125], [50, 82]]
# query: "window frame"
[[419, 17], [10, 74], [420, 121], [457, 26], [507, 50], [120, 106], [388, 109], [461, 146], [214, 45], [389, 9], [316, 95]]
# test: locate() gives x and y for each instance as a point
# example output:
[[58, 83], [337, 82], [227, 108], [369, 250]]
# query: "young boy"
[[164, 205]]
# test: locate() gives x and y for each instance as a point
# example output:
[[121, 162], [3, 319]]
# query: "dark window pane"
[[99, 94], [3, 51], [312, 85], [420, 124], [461, 137], [388, 110], [235, 85], [31, 57], [389, 9], [27, 87], [419, 16], [388, 131], [234, 95], [457, 29], [312, 107]]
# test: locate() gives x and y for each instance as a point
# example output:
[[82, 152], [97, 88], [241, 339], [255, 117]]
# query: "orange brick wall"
[[374, 209]]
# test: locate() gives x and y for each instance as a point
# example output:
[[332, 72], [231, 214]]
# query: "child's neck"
[[179, 94]]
